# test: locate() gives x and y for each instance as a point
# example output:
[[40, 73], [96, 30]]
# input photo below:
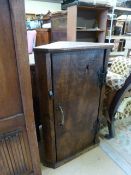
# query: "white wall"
[[37, 7]]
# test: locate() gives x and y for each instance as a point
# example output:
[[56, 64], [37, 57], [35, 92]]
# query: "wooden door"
[[18, 145], [76, 102]]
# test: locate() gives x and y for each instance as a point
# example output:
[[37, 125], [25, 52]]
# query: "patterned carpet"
[[119, 148]]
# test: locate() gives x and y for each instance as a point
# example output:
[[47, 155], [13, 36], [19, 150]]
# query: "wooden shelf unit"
[[124, 37], [80, 23], [123, 9], [90, 30]]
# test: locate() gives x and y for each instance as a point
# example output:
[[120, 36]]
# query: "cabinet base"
[[60, 163]]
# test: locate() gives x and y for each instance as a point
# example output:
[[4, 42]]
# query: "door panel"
[[10, 97], [18, 146], [14, 149], [77, 93], [14, 146]]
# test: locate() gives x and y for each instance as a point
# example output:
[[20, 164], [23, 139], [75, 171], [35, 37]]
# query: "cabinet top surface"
[[69, 45]]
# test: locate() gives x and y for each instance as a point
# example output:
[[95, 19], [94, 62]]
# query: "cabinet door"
[[18, 146], [76, 99]]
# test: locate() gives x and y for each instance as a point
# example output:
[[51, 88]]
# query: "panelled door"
[[76, 102], [18, 145]]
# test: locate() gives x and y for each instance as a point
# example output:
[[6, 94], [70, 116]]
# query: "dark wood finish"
[[80, 23], [70, 95], [43, 36], [35, 96], [18, 145]]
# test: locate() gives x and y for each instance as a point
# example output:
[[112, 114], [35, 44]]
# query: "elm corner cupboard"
[[18, 144], [70, 85]]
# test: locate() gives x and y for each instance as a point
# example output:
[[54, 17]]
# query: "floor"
[[119, 148], [94, 162], [111, 157]]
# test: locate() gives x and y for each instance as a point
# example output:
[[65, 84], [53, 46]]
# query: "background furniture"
[[127, 48], [119, 28], [35, 96], [118, 87], [34, 21], [81, 23], [115, 100], [18, 144], [70, 80], [31, 40], [59, 26], [43, 36]]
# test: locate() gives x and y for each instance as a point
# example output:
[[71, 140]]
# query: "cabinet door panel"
[[76, 102]]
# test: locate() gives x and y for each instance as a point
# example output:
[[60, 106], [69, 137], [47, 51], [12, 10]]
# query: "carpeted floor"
[[119, 148]]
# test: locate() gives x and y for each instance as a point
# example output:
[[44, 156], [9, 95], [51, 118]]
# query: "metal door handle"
[[62, 115]]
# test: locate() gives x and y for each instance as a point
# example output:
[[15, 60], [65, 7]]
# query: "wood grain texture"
[[102, 16], [20, 151], [71, 23], [15, 157], [44, 77], [8, 69], [77, 90], [71, 46], [43, 36], [70, 97], [59, 27], [19, 32]]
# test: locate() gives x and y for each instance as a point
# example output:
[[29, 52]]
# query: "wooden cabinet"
[[35, 100], [43, 36], [70, 82], [59, 26], [80, 23], [18, 144]]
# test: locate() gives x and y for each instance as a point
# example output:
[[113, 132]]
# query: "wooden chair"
[[113, 101]]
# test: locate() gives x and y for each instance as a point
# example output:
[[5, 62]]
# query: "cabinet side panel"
[[105, 64], [44, 77]]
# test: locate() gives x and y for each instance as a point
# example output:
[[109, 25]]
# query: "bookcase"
[[80, 23], [119, 31]]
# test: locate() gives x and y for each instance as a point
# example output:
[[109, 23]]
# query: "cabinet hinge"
[[50, 93], [102, 77]]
